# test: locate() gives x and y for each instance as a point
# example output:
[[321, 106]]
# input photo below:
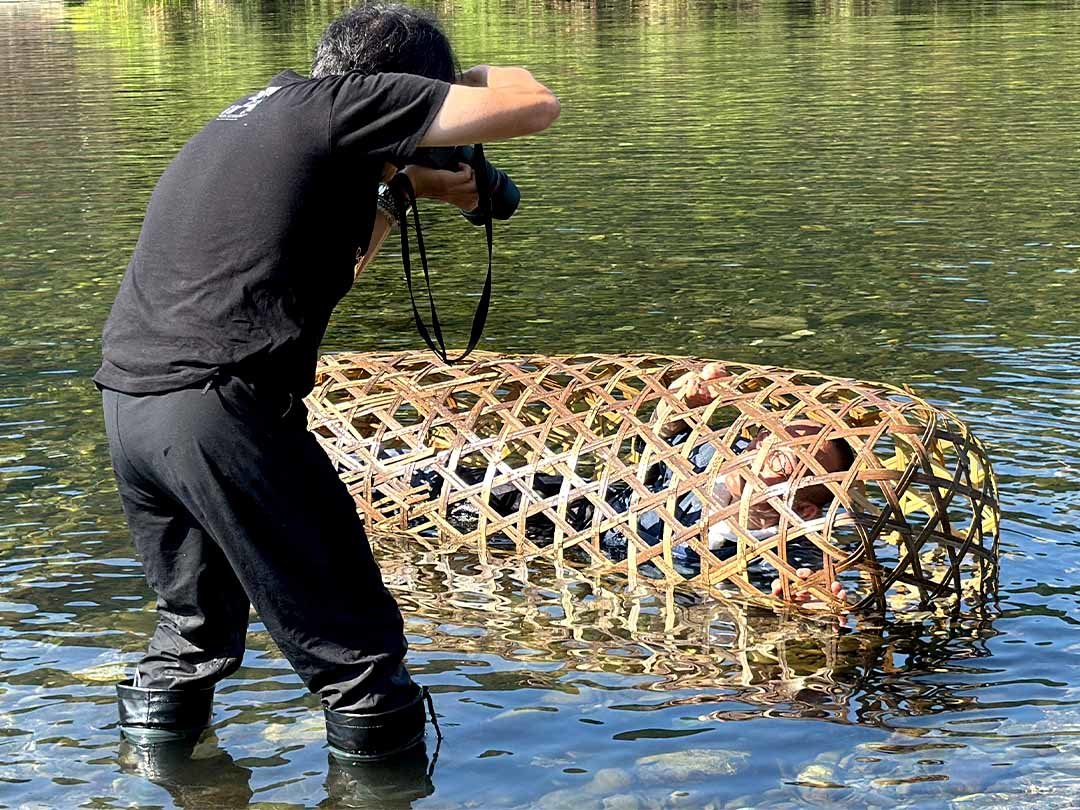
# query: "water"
[[895, 178]]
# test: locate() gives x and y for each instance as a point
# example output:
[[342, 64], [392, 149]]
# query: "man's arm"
[[693, 389], [379, 231], [492, 104]]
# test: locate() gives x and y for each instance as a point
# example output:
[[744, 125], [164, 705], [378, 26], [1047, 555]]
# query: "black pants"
[[232, 502]]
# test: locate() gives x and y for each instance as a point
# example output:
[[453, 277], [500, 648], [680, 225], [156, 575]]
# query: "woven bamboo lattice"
[[561, 457]]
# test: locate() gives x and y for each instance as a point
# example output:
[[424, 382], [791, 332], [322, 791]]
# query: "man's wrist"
[[509, 77], [416, 177], [386, 204]]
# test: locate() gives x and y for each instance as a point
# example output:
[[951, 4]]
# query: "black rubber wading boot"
[[149, 716], [371, 737]]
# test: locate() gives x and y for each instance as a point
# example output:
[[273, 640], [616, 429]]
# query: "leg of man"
[[268, 496], [202, 608]]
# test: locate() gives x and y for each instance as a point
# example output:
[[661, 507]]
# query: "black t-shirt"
[[252, 232]]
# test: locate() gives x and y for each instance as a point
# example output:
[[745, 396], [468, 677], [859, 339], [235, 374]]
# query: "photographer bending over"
[[250, 239]]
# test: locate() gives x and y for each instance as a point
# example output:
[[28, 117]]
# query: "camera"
[[502, 191], [504, 194], [499, 198]]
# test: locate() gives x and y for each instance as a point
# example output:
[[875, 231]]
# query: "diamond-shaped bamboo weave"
[[440, 451]]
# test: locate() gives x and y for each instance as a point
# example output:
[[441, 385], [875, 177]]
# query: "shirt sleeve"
[[384, 115]]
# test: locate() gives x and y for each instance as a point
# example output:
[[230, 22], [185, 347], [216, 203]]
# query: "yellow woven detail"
[[569, 457]]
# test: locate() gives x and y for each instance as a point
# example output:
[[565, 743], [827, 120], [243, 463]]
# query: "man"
[[251, 237], [767, 463]]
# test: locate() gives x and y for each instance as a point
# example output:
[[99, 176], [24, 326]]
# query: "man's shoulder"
[[248, 104], [385, 86], [289, 87]]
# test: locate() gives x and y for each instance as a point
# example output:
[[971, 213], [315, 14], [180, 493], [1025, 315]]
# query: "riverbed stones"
[[110, 672], [573, 799], [983, 801], [622, 801], [305, 731], [596, 794], [607, 780], [779, 323], [818, 776], [690, 765]]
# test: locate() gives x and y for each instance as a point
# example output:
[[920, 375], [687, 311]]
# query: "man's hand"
[[700, 388], [492, 76], [836, 588], [693, 389], [456, 188]]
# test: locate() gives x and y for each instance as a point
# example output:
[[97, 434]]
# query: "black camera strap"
[[404, 196]]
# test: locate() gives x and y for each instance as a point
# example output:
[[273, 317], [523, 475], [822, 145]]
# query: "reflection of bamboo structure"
[[530, 449], [529, 611]]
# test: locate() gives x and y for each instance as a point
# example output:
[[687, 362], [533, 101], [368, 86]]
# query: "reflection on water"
[[195, 774], [881, 190], [765, 664]]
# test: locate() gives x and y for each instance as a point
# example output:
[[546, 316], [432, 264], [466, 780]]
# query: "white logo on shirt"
[[242, 108]]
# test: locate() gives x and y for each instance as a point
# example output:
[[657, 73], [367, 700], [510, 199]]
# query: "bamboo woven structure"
[[523, 453]]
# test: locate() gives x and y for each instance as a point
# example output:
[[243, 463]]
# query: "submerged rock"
[[818, 785], [984, 801], [692, 764], [102, 673], [683, 798], [779, 323], [622, 801], [301, 732], [607, 780], [591, 796], [818, 776]]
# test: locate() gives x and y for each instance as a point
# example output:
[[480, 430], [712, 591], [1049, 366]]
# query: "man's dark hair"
[[376, 38], [847, 454], [821, 494]]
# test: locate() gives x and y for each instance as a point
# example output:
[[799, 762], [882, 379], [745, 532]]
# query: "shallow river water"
[[885, 190]]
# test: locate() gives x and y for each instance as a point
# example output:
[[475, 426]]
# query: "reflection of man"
[[249, 241]]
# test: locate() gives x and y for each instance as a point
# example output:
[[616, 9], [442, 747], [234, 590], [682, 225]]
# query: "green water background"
[[886, 190]]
